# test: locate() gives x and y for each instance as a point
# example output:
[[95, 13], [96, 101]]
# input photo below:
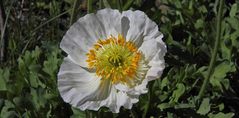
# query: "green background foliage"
[[34, 29]]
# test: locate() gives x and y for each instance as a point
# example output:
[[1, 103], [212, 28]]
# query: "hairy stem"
[[214, 53]]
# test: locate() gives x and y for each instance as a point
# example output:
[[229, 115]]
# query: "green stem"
[[149, 99], [89, 114], [128, 4], [106, 4], [214, 53], [74, 10], [100, 4], [4, 34], [119, 5], [89, 6]]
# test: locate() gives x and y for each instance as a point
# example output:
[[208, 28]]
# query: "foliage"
[[28, 78]]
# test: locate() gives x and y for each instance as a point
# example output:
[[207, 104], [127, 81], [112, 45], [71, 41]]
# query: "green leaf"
[[233, 10], [221, 107], [4, 76], [163, 96], [78, 113], [221, 115], [164, 83], [163, 106], [27, 114], [218, 77], [6, 111], [1, 102], [199, 24], [183, 106], [38, 98], [169, 115], [178, 92], [33, 79], [51, 64], [204, 107], [233, 23]]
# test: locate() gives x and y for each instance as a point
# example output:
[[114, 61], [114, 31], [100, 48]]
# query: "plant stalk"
[[149, 99], [74, 11], [89, 6], [214, 53], [3, 36]]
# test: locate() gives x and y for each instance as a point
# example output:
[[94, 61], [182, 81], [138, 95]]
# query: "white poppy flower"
[[111, 58]]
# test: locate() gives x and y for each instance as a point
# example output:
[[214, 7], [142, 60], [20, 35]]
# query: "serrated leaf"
[[21, 65], [33, 78], [38, 98], [51, 64], [204, 107]]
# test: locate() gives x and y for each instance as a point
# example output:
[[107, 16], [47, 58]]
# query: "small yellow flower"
[[111, 58]]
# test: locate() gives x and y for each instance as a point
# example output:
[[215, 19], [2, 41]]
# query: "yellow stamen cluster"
[[115, 59]]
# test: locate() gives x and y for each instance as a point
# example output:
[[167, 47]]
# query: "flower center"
[[115, 59]]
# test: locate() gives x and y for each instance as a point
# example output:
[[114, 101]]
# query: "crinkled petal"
[[83, 34], [77, 85], [136, 26], [114, 102], [153, 47], [144, 32], [135, 91], [113, 22], [157, 63]]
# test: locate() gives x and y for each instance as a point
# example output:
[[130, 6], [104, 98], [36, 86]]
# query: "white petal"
[[123, 99], [136, 26], [154, 51], [154, 72], [81, 36], [153, 47], [157, 62], [141, 27], [135, 91], [113, 22], [114, 102], [77, 85], [75, 52]]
